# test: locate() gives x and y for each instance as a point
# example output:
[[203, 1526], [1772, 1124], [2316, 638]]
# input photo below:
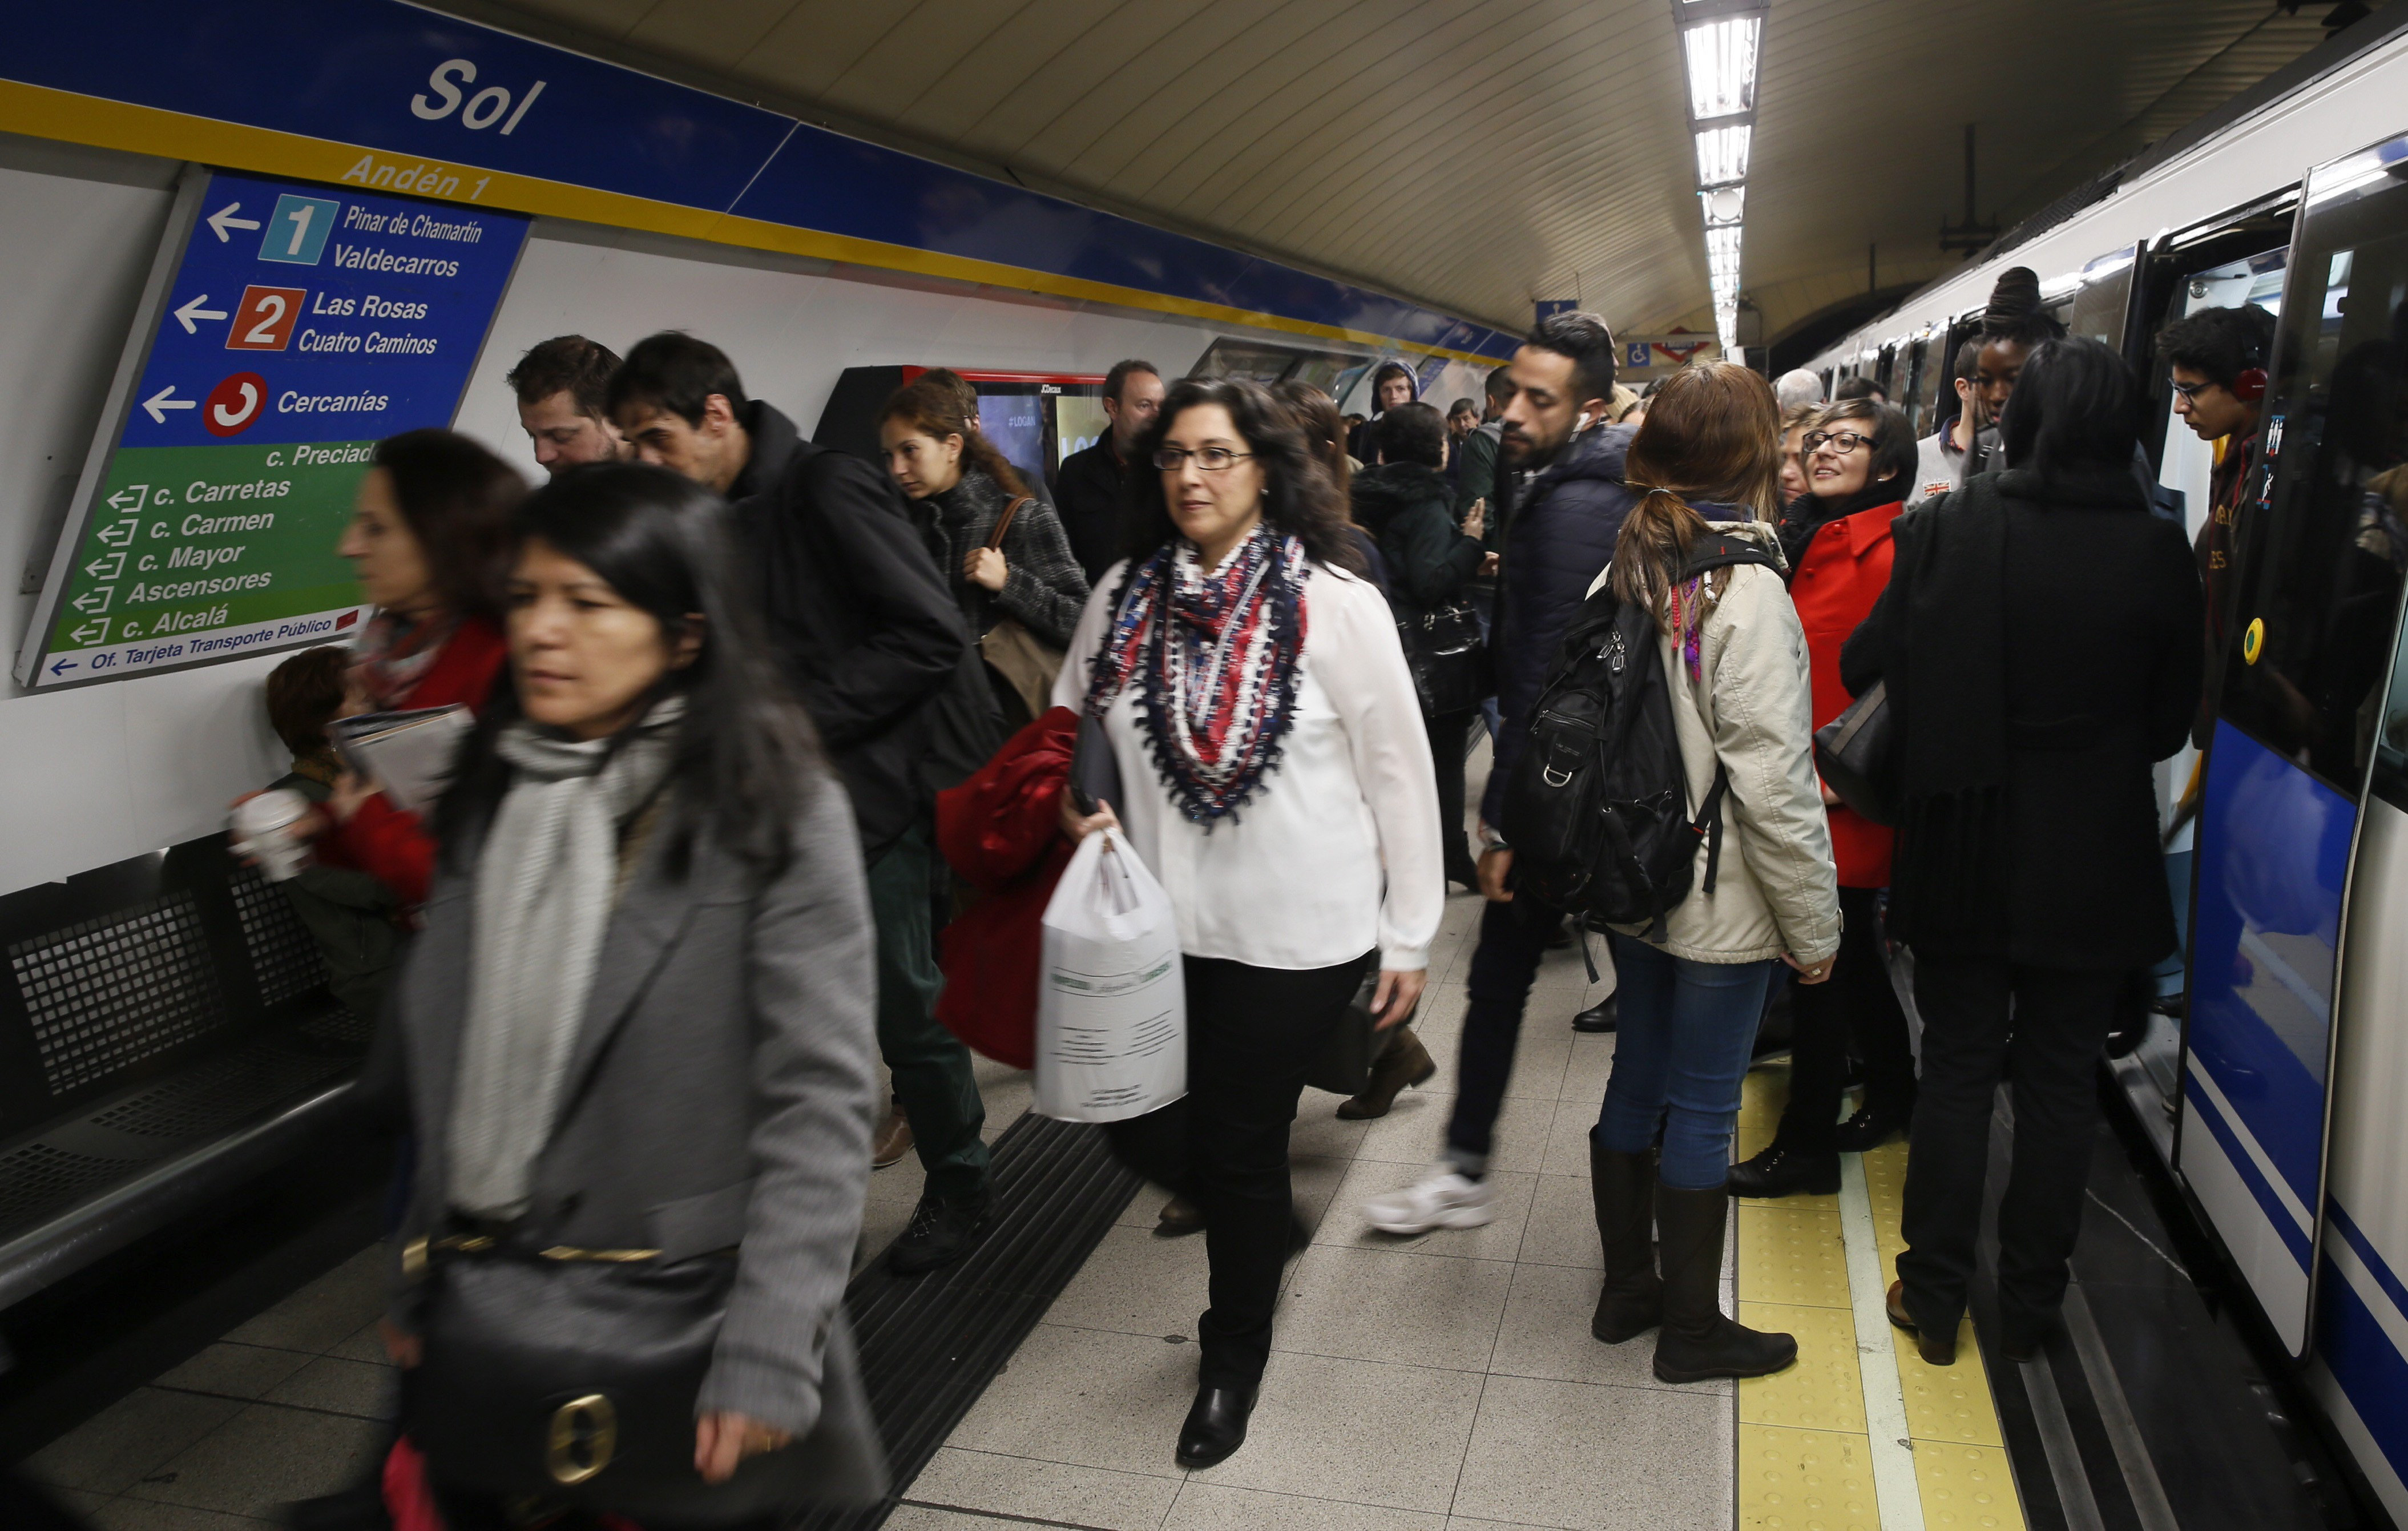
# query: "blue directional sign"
[[299, 326]]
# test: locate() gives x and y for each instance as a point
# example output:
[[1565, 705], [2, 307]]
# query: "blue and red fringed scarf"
[[1214, 659]]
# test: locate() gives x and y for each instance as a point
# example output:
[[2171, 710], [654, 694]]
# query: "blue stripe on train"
[[2246, 1167], [2358, 1351]]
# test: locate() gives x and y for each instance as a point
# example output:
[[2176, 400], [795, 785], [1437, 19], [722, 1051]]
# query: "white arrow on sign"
[[91, 632], [94, 601], [131, 497], [224, 219], [106, 568], [159, 403], [193, 310]]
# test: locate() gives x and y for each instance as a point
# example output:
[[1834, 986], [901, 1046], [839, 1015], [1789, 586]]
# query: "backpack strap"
[[1709, 823], [1719, 549]]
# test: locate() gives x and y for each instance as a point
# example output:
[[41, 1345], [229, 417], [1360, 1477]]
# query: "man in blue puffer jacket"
[[1568, 509]]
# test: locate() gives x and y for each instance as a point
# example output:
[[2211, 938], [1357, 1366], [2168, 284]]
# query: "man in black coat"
[[1563, 534], [1087, 487], [870, 636]]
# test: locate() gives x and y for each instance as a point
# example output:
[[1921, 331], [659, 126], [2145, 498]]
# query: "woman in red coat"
[[425, 542], [1859, 459]]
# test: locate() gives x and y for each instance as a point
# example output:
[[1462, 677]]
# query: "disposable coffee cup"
[[264, 831]]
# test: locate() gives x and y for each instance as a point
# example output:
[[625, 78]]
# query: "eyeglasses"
[[1209, 458], [2190, 392], [1841, 442]]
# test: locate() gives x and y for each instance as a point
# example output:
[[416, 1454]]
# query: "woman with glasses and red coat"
[[1859, 462]]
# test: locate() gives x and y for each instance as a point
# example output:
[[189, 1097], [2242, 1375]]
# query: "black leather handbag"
[[1855, 755], [1448, 658], [574, 1381]]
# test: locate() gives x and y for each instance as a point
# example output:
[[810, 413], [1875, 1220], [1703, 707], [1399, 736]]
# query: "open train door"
[[2305, 597]]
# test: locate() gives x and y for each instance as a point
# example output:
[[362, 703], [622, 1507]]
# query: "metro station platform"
[[1442, 1381]]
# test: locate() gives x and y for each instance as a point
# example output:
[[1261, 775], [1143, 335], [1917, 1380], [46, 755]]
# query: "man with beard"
[[1567, 513]]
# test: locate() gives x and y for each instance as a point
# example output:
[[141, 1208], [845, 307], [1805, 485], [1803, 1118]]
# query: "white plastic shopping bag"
[[1112, 1005]]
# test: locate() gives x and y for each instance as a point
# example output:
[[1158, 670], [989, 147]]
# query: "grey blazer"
[[719, 1094]]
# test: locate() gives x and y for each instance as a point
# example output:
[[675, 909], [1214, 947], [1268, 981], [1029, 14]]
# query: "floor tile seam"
[[1455, 1490], [272, 1403], [1174, 1475], [1004, 1516], [1898, 1487], [1677, 1390]]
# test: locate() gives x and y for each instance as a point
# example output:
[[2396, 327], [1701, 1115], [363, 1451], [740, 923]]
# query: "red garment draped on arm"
[[1001, 831]]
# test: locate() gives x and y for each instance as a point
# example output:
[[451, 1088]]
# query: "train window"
[[1246, 359], [2309, 623], [2096, 309]]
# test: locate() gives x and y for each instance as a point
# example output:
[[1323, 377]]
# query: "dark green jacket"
[[1409, 511], [349, 915]]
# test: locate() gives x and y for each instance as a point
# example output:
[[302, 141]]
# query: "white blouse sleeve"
[[1078, 661], [1351, 640]]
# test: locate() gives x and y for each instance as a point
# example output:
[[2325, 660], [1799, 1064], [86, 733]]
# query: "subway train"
[[2271, 1070]]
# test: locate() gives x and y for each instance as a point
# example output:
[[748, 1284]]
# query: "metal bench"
[[165, 1035]]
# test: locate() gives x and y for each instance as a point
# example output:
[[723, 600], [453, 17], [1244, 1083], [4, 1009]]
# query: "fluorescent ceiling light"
[[1723, 203], [1722, 66], [1722, 155]]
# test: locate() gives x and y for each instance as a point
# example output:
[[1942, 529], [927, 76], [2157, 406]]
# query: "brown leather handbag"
[[1027, 663]]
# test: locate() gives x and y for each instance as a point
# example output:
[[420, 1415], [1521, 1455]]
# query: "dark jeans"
[[1252, 1033], [1680, 1050], [1513, 941], [1447, 732], [1856, 1003], [931, 1068], [2041, 1029]]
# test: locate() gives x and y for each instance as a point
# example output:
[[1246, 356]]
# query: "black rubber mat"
[[930, 1344]]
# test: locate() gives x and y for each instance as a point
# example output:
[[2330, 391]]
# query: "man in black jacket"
[[1569, 515], [1087, 486], [870, 636]]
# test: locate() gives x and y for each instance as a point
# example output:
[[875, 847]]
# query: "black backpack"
[[1597, 810]]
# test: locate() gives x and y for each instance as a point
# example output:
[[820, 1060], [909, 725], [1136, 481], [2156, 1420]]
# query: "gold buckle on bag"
[[416, 1255]]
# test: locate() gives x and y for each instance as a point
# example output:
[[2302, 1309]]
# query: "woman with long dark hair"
[[427, 541], [638, 1033], [1705, 461], [2039, 642], [1277, 782], [933, 453], [1860, 461]]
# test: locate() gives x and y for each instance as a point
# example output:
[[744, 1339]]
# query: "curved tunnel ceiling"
[[1478, 154]]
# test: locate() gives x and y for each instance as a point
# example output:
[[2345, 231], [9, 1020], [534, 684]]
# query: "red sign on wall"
[[264, 320]]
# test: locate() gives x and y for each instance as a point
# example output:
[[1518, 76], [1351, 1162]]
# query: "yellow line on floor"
[[1860, 1434]]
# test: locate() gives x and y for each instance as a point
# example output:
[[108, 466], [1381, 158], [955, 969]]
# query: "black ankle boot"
[[1697, 1342], [1216, 1425], [1873, 1125], [1779, 1172], [1622, 1185]]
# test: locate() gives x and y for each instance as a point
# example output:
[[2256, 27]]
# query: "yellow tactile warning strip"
[[1808, 1457]]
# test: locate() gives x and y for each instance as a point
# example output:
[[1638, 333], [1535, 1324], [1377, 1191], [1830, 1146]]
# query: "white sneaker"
[[1442, 1199]]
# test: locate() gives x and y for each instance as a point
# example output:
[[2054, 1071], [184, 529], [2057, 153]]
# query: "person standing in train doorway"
[[2013, 327], [2217, 360], [1564, 531], [1088, 486], [869, 637], [1941, 457], [561, 385]]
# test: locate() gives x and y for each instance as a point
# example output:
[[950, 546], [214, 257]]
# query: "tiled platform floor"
[[289, 1406], [1445, 1380]]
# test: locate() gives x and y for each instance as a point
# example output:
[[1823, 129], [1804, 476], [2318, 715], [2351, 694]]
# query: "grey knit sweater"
[[1044, 586]]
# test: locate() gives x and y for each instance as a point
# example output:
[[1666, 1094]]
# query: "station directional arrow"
[[193, 310], [132, 497], [94, 601], [224, 219], [159, 403], [119, 535], [62, 667], [106, 568], [91, 632]]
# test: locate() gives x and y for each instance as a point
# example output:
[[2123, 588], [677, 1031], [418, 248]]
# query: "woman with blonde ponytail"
[[1705, 464]]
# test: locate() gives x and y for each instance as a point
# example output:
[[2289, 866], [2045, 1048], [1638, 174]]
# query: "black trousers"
[[1252, 1034], [1447, 732], [1856, 1004], [1513, 942], [2040, 1029]]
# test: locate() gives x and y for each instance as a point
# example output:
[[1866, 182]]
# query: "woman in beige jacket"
[[1734, 656]]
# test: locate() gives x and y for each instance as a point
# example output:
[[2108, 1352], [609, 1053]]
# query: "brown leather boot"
[[1403, 1062], [893, 1140], [1623, 1186]]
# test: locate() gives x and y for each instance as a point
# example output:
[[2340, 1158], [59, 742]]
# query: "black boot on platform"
[[1216, 1425], [1779, 1172], [1697, 1342], [1622, 1185]]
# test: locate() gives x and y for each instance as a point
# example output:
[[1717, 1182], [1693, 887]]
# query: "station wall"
[[95, 775]]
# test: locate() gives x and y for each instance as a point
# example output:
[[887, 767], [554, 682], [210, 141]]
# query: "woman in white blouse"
[[1279, 784]]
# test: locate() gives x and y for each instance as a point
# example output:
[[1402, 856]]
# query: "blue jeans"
[[1680, 1050]]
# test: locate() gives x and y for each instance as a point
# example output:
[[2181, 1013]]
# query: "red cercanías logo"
[[234, 404]]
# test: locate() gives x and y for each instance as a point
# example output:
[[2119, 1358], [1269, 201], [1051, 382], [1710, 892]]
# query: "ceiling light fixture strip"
[[1722, 44]]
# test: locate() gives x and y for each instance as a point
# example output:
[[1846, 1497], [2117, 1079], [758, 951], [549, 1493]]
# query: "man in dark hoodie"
[[1567, 516], [867, 632]]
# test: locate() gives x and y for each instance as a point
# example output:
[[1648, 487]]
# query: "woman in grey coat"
[[638, 1023]]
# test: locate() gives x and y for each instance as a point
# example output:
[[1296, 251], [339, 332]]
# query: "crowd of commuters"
[[633, 969]]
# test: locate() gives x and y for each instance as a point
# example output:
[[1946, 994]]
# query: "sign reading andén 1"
[[299, 325]]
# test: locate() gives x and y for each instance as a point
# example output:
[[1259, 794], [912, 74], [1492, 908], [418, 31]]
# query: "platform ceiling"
[[1478, 154]]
